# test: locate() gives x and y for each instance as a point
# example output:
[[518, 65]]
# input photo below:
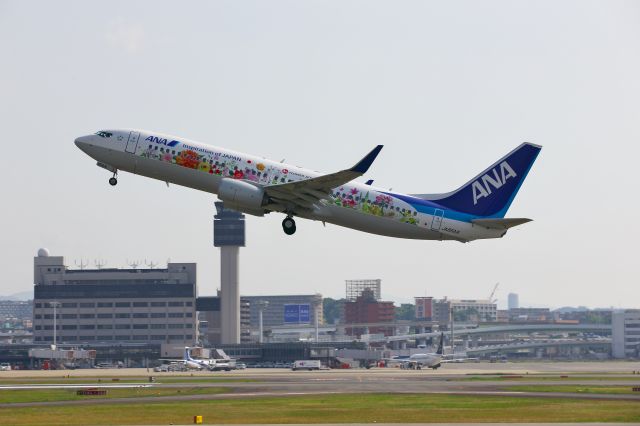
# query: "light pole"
[[262, 305], [55, 305]]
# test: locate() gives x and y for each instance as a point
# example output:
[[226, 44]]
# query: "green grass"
[[43, 395], [359, 408], [533, 377], [593, 389]]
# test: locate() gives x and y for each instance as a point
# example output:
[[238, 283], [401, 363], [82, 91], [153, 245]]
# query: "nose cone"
[[83, 142]]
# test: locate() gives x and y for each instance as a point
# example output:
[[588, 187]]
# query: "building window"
[[176, 325], [158, 304], [157, 337], [69, 305], [175, 315], [123, 304], [175, 337], [105, 326], [87, 327], [105, 305], [87, 338], [189, 315], [140, 304], [188, 303], [85, 316], [123, 315], [106, 338], [140, 326], [87, 305], [173, 304], [158, 315], [69, 316], [188, 326], [38, 316], [123, 337], [105, 315], [158, 326], [38, 305], [140, 315], [123, 326]]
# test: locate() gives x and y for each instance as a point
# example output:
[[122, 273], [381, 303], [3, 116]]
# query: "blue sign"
[[297, 314]]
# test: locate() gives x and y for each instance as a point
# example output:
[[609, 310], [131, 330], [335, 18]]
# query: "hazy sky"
[[447, 87]]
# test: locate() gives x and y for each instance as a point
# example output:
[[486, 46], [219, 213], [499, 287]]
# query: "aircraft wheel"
[[289, 226], [113, 181]]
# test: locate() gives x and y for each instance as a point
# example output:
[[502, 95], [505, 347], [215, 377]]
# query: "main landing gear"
[[289, 225], [113, 181]]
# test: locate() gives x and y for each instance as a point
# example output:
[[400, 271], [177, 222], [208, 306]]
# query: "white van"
[[307, 364]]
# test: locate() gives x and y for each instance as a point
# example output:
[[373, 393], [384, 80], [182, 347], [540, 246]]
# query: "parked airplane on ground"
[[258, 186], [417, 361]]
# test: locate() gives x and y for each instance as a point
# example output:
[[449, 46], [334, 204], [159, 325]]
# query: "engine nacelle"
[[242, 196]]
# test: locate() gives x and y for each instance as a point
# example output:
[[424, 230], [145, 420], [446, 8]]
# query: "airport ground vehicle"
[[5, 366], [307, 364]]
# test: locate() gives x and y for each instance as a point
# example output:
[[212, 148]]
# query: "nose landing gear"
[[113, 181], [289, 225]]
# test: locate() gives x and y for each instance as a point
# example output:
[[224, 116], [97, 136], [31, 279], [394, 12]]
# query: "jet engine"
[[242, 196]]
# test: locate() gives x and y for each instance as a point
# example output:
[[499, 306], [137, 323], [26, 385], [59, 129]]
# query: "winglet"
[[364, 164]]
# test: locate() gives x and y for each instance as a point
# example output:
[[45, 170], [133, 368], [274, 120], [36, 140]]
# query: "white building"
[[625, 334]]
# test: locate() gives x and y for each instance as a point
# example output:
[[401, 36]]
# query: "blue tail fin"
[[491, 192]]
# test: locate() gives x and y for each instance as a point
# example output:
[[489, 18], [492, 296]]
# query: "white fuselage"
[[199, 166]]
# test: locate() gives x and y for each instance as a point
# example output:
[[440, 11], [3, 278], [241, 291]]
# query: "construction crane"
[[493, 292]]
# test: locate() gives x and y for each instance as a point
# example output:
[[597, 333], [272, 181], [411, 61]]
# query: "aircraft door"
[[436, 223], [132, 143]]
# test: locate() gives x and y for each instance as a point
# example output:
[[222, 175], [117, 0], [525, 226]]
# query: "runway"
[[480, 379]]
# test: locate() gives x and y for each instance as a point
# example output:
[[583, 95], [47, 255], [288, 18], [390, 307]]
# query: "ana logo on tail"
[[482, 187]]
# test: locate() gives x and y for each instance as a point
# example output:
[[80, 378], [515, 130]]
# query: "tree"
[[332, 309], [405, 311]]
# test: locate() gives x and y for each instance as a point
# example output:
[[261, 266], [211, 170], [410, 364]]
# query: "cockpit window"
[[104, 134]]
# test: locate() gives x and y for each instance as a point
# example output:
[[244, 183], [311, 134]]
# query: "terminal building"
[[285, 310], [113, 305]]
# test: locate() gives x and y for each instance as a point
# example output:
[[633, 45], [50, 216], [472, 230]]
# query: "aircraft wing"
[[305, 193]]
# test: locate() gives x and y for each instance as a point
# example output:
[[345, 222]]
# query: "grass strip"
[[46, 395], [591, 389]]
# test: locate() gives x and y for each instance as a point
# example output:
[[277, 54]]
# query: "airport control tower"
[[228, 234]]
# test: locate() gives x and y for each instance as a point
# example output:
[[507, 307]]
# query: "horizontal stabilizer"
[[500, 223]]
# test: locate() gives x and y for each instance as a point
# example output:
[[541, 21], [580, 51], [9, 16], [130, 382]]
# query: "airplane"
[[417, 361], [258, 186]]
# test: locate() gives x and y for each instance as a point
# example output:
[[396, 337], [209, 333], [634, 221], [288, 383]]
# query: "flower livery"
[[224, 165]]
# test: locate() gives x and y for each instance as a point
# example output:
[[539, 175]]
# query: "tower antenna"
[[151, 264], [99, 263], [82, 264], [133, 263]]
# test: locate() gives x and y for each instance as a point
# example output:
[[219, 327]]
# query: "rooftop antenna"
[[83, 263], [151, 264], [99, 263], [133, 263], [168, 261]]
